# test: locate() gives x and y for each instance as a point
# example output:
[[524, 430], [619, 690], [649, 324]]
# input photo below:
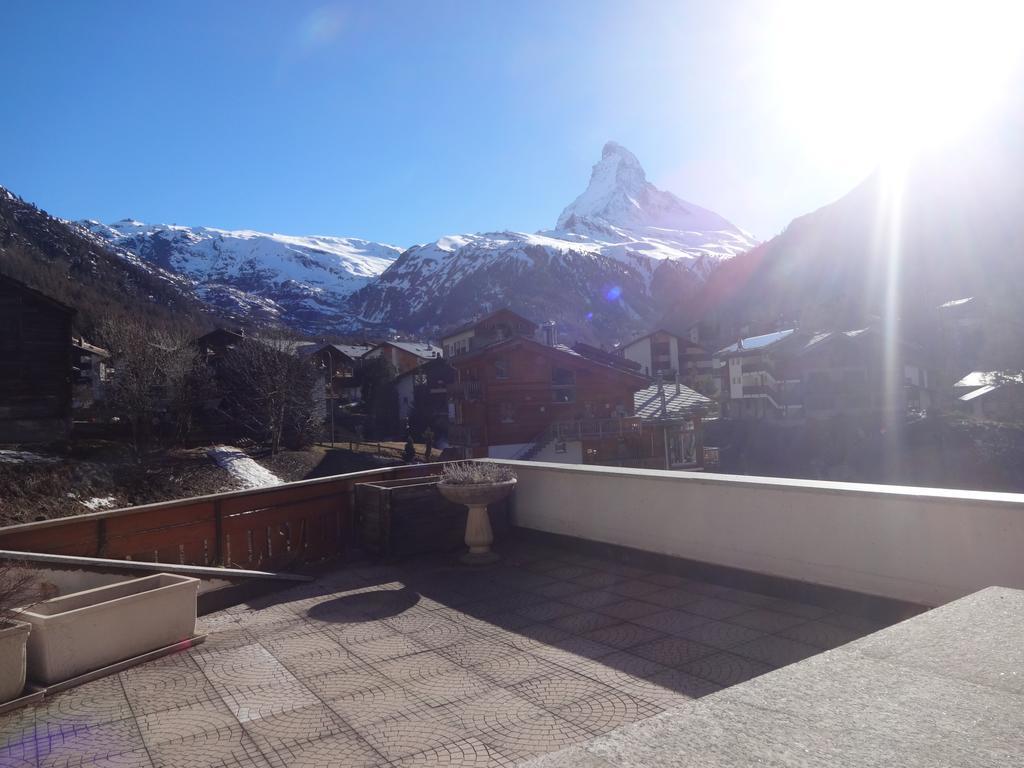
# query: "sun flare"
[[869, 81]]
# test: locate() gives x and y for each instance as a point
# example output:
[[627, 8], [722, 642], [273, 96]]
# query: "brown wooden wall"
[[273, 529], [35, 366], [599, 392]]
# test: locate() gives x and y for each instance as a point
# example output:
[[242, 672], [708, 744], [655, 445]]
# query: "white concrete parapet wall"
[[923, 545]]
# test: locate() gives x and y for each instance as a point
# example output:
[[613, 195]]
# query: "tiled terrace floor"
[[427, 663]]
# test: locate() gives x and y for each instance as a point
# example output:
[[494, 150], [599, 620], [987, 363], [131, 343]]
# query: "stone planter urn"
[[13, 655], [477, 496]]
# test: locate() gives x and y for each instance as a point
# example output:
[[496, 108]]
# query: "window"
[[501, 368], [563, 385], [563, 395], [561, 447], [507, 412], [563, 377]]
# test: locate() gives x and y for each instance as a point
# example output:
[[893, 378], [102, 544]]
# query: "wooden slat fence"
[[273, 528]]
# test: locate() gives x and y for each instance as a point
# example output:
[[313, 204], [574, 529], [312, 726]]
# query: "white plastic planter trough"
[[84, 631], [13, 638]]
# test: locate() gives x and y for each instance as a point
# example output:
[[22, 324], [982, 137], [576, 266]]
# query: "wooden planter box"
[[83, 631], [407, 517]]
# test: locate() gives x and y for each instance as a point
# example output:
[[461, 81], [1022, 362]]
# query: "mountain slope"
[[952, 226], [74, 267], [620, 256], [300, 281]]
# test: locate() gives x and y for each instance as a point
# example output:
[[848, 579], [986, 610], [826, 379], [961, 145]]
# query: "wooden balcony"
[[465, 390]]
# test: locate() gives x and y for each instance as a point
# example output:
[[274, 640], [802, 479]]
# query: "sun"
[[867, 82]]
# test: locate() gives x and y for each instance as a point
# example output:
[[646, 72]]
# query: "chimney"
[[677, 383], [661, 394], [550, 333]]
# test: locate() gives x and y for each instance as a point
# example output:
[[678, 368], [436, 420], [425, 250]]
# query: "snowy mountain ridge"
[[619, 254], [301, 281], [618, 257]]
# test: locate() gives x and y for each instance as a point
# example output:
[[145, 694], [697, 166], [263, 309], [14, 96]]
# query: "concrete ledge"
[[943, 689], [918, 545]]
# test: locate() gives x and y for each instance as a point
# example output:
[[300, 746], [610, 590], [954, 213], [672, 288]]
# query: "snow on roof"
[[419, 348], [987, 378], [757, 342], [956, 302], [980, 392], [685, 402]]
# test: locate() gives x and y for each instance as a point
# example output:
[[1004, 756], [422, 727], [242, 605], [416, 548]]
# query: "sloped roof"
[[352, 351], [421, 349], [753, 343], [686, 402], [474, 323], [557, 348], [989, 378], [980, 392]]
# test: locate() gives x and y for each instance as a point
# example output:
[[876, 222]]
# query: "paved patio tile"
[[277, 732], [607, 710], [465, 753], [766, 621], [513, 668], [558, 689], [73, 746], [630, 610], [821, 634], [726, 669], [403, 736], [673, 651], [415, 664], [623, 635]]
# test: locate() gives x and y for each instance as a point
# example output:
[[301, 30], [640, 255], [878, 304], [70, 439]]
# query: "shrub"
[[476, 473]]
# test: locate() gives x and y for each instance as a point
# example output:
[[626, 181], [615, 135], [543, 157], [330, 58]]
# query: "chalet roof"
[[756, 343], [979, 392], [648, 335], [351, 351], [680, 401], [426, 367], [473, 323], [36, 295], [989, 378], [608, 358], [422, 349], [92, 349], [557, 349]]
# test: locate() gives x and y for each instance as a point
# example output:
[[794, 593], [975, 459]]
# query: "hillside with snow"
[[299, 281], [621, 255]]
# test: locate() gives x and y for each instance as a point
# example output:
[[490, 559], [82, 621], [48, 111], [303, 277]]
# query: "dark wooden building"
[[35, 365], [510, 394]]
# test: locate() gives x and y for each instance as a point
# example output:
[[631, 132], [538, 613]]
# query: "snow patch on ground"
[[247, 472], [96, 503], [25, 457]]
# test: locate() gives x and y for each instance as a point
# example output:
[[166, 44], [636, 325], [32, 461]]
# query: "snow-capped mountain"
[[300, 281], [620, 255]]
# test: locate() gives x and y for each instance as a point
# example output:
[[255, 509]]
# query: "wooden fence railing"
[[273, 528]]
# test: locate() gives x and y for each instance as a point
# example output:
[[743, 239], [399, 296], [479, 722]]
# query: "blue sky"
[[393, 121]]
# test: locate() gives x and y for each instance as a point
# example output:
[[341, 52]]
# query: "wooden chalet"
[[36, 371]]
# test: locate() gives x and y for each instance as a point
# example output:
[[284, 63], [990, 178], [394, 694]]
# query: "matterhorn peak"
[[619, 197]]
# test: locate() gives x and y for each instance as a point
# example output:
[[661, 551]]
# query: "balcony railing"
[[275, 528], [889, 541], [594, 428], [465, 390]]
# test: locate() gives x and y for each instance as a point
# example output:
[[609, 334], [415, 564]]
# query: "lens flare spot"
[[613, 293]]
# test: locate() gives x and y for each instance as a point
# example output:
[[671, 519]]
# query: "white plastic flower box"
[[84, 631]]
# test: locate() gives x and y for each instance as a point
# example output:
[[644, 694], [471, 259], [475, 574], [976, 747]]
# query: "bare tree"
[[268, 391], [158, 377], [17, 590]]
